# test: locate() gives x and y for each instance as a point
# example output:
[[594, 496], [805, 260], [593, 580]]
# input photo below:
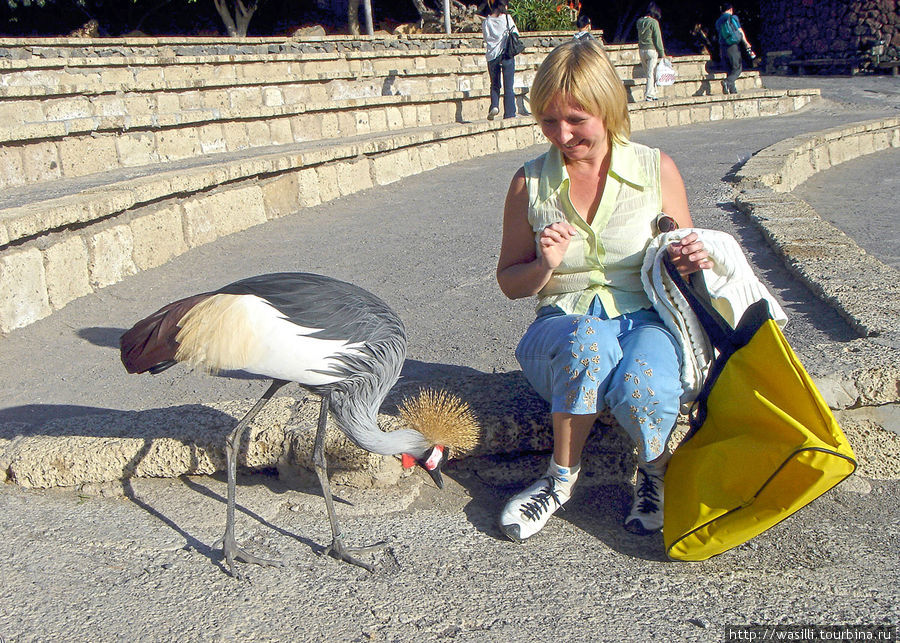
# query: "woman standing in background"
[[496, 28], [650, 46]]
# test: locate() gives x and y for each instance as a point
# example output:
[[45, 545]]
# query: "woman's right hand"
[[554, 242]]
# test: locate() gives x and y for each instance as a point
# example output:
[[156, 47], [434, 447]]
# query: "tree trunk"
[[238, 22]]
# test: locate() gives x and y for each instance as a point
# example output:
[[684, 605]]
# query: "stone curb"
[[862, 289]]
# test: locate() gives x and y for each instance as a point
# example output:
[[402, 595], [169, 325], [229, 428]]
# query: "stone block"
[[423, 115], [87, 155], [246, 99], [211, 138], [23, 289], [387, 168], [272, 97], [21, 112], [176, 144], [362, 121], [280, 131], [236, 137], [528, 136], [41, 161], [63, 109], [136, 148], [137, 105], [66, 271], [347, 123], [327, 182], [457, 149], [280, 195], [12, 167], [210, 216], [716, 112], [700, 113], [866, 142], [506, 140], [442, 113], [482, 144], [377, 121], [428, 156], [409, 115], [746, 108], [394, 118], [167, 103], [158, 236], [331, 127], [654, 118], [110, 256], [353, 176], [308, 188], [215, 99]]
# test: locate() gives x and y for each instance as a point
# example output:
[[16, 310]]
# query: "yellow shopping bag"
[[763, 442]]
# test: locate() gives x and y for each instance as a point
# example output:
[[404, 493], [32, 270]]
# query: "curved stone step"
[[98, 229]]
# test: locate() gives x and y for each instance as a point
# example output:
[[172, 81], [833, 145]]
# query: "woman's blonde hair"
[[581, 70]]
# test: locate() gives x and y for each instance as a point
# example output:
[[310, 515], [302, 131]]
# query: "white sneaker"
[[646, 514], [493, 113], [527, 512]]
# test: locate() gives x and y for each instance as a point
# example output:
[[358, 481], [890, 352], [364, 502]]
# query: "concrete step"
[[62, 239]]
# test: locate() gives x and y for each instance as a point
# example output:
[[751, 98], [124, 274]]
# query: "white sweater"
[[732, 288]]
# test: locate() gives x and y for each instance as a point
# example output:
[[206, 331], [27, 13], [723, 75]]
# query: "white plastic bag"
[[665, 73]]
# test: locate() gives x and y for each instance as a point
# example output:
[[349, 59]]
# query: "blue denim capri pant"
[[631, 363]]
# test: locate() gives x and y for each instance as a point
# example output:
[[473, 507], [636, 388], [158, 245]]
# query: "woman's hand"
[[688, 255], [554, 241]]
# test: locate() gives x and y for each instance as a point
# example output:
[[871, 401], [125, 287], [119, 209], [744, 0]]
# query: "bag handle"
[[717, 328]]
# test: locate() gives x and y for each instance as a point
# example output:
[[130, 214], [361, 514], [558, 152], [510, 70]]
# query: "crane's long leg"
[[232, 444], [337, 549]]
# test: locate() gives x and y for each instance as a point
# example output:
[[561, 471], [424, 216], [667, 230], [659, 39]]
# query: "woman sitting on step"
[[576, 224]]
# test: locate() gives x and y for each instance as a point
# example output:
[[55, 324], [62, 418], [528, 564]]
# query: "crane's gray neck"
[[360, 425]]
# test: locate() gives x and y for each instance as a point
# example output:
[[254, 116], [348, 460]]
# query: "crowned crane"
[[333, 339]]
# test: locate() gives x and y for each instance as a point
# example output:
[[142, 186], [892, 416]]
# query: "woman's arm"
[[688, 255], [520, 271]]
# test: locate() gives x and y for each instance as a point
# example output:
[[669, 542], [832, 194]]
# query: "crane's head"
[[433, 461], [446, 422]]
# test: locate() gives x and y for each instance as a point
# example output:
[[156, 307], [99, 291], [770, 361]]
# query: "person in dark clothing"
[[731, 35]]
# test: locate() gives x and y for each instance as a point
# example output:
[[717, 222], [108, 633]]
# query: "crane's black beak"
[[433, 461]]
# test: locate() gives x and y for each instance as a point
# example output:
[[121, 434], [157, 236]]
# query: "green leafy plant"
[[544, 15]]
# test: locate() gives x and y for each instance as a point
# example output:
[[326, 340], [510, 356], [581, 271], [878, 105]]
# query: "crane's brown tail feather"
[[150, 344]]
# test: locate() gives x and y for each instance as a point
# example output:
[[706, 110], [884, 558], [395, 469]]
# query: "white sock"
[[565, 478]]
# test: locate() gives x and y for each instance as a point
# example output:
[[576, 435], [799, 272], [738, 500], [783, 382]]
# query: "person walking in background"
[[731, 35], [650, 46], [496, 28], [583, 23]]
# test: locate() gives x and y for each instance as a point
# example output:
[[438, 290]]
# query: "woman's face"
[[578, 134]]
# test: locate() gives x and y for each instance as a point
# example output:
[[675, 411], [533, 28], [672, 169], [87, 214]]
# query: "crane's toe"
[[233, 552], [338, 550]]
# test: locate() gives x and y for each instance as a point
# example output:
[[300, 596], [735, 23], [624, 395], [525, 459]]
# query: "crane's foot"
[[233, 552], [338, 550]]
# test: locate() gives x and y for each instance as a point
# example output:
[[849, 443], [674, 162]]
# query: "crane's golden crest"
[[443, 418]]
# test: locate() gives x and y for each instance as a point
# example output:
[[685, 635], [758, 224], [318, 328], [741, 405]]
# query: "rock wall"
[[829, 28]]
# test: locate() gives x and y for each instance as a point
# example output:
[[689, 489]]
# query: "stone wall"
[[829, 28]]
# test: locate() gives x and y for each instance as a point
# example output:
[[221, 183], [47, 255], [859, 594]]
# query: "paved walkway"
[[134, 559]]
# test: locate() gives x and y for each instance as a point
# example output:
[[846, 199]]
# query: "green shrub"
[[544, 15]]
